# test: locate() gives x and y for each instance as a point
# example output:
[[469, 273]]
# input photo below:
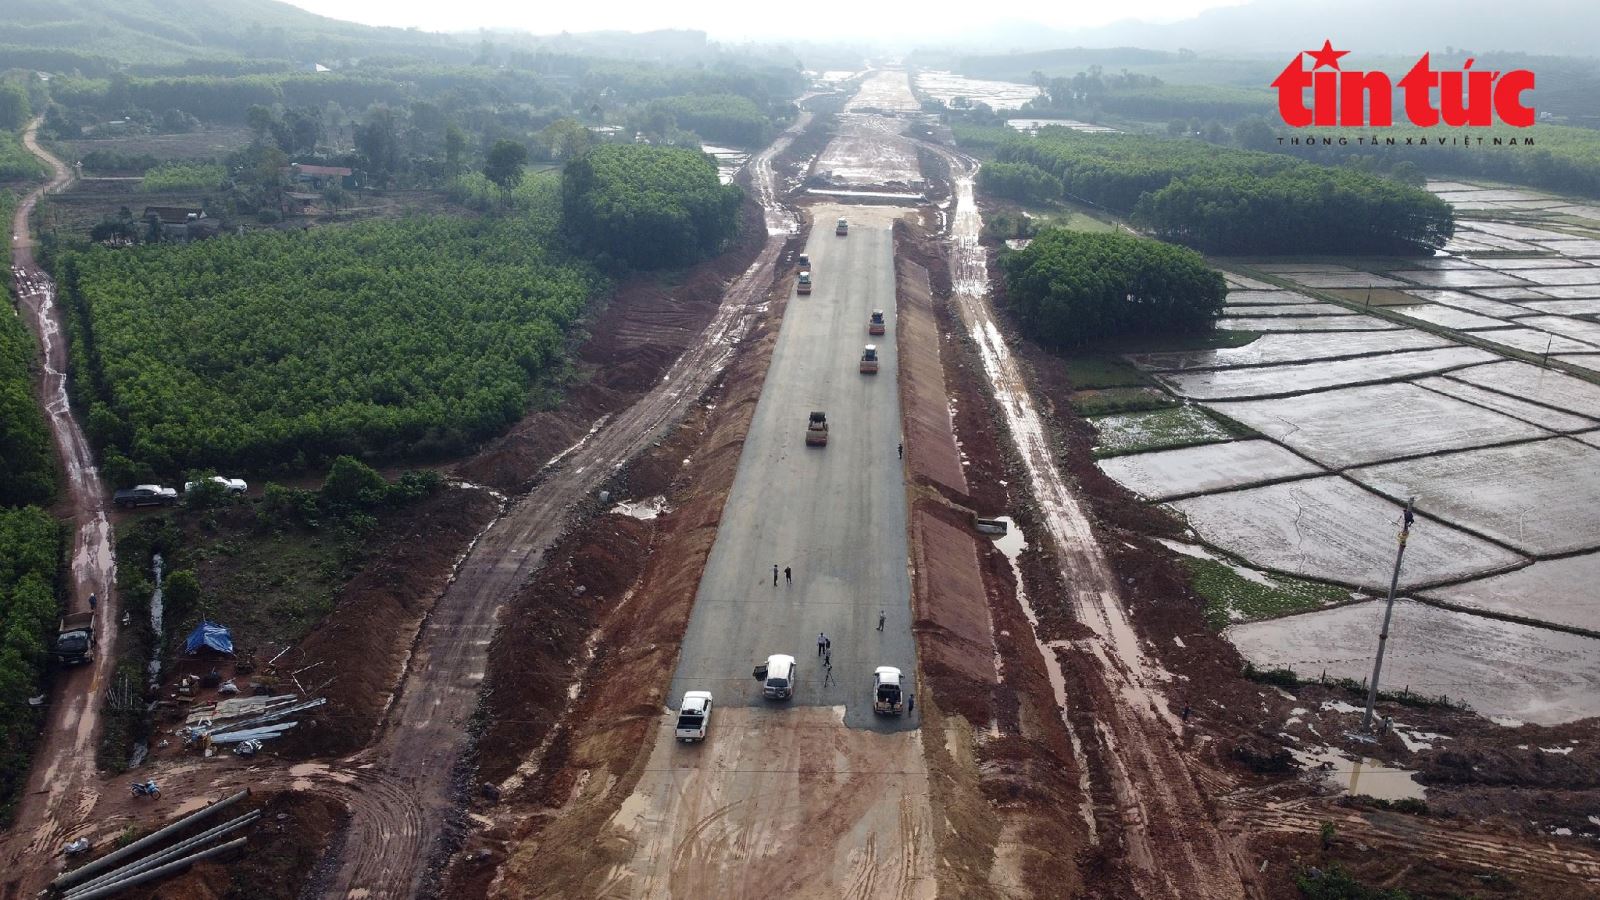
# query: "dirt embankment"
[[364, 644], [1011, 784], [563, 762], [630, 343]]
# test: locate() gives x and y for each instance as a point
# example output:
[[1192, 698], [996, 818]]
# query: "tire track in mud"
[[63, 785], [1166, 822], [1415, 837], [396, 841]]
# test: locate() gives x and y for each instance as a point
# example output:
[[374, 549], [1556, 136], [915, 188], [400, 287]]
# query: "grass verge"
[[1232, 598]]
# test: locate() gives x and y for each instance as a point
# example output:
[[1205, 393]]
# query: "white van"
[[777, 677]]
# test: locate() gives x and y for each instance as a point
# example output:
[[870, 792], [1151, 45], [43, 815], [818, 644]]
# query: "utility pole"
[[1388, 613]]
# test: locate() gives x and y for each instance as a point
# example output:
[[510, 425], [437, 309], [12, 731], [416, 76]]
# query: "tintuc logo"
[[1354, 98]]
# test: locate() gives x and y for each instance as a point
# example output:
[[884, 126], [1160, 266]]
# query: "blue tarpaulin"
[[209, 634]]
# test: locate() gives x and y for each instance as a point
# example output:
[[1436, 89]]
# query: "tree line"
[[648, 207], [1071, 288], [27, 458], [278, 351], [31, 548], [1225, 200]]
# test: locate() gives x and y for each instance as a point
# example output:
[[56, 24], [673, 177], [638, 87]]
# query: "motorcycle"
[[146, 789]]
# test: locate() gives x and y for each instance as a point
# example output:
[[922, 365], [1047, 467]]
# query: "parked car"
[[145, 495], [235, 486], [777, 676], [694, 716]]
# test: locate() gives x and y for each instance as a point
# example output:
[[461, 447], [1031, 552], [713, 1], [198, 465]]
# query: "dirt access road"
[[406, 796], [63, 785], [828, 799], [1168, 825]]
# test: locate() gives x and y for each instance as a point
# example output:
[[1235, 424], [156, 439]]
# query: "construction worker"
[[822, 641], [880, 620]]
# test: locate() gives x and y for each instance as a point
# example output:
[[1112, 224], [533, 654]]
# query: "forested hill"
[[92, 36]]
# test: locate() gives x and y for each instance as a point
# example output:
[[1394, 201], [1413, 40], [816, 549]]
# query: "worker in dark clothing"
[[900, 450], [880, 620], [788, 575], [911, 703], [774, 574], [1186, 711], [92, 601]]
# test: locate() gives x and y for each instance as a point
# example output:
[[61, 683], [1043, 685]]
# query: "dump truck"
[[804, 284], [869, 360], [842, 229], [694, 716], [817, 430], [75, 638], [875, 325], [887, 697]]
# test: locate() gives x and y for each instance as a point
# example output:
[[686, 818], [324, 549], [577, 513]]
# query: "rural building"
[[296, 203], [179, 223], [320, 177]]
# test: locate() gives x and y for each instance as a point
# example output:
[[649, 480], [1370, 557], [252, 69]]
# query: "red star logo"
[[1327, 56]]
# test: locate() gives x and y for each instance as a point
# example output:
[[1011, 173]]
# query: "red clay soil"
[[930, 440], [630, 343], [363, 645], [605, 728], [1022, 808], [539, 650]]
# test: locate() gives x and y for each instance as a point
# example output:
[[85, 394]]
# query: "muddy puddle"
[[1359, 776], [644, 510]]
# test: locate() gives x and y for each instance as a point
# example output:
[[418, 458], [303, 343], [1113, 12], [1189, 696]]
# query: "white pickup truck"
[[694, 716], [229, 485]]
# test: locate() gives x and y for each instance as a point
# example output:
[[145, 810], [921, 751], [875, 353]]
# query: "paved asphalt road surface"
[[835, 514]]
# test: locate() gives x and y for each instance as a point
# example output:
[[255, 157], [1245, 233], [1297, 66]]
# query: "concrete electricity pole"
[[1388, 612]]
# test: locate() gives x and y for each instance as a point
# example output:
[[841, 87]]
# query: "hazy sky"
[[816, 20]]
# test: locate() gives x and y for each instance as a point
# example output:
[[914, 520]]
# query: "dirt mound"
[[540, 649], [630, 343], [363, 644]]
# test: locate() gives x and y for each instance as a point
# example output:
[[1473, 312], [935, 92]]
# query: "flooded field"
[[1542, 386], [1289, 348], [1331, 529], [1541, 497], [1355, 413], [1197, 470], [1269, 381], [1341, 322], [1358, 425], [1561, 591], [1501, 668], [946, 87]]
